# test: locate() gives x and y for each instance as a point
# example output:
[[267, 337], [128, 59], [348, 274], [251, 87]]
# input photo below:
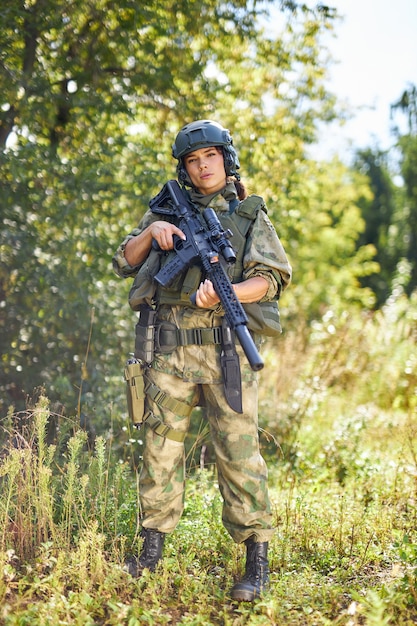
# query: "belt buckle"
[[217, 335], [198, 336]]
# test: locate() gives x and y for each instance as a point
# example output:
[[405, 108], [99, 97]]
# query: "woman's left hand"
[[205, 296], [251, 290]]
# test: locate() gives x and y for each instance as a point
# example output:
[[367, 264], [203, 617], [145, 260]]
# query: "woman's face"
[[205, 168]]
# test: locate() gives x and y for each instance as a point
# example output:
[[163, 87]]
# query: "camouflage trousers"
[[241, 470]]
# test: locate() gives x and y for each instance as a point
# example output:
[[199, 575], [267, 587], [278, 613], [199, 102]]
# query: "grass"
[[343, 480], [345, 551]]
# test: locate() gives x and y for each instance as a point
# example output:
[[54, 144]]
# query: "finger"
[[180, 233], [200, 296], [164, 242], [209, 289]]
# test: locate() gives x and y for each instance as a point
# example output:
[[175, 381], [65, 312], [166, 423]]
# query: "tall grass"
[[338, 416]]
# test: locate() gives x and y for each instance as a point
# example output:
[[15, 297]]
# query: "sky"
[[375, 47]]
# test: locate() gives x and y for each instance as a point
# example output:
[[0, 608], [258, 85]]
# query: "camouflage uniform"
[[192, 375]]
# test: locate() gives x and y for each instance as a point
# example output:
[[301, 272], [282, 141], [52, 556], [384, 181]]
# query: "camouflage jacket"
[[264, 256]]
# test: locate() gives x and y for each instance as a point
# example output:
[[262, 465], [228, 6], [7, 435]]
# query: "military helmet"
[[201, 134]]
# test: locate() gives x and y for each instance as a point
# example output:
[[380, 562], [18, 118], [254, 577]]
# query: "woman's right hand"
[[137, 248], [163, 233]]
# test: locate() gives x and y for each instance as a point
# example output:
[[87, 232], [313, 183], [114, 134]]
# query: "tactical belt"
[[169, 337]]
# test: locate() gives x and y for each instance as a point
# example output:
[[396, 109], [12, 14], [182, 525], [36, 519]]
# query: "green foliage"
[[40, 505], [322, 224], [352, 355], [380, 228], [340, 440], [408, 147], [92, 95], [390, 215], [91, 98]]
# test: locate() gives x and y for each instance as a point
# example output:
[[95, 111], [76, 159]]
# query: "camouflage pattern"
[[241, 470], [192, 374], [264, 253]]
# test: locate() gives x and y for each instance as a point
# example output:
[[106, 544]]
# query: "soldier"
[[186, 368]]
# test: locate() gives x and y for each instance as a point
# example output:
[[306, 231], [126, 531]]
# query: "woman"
[[187, 372]]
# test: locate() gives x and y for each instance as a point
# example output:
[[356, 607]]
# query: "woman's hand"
[[137, 248], [251, 290], [205, 296], [163, 233]]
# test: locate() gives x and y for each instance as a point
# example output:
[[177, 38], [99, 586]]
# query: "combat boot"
[[151, 553], [256, 578]]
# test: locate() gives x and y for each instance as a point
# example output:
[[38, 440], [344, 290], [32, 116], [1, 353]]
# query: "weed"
[[339, 429]]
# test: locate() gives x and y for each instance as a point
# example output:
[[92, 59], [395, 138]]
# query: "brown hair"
[[241, 190]]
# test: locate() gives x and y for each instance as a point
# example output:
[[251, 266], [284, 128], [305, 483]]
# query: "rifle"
[[205, 242]]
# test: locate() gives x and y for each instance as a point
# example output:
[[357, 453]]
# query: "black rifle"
[[205, 241]]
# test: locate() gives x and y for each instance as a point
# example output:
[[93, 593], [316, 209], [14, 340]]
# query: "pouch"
[[263, 317], [135, 391], [144, 287], [145, 334]]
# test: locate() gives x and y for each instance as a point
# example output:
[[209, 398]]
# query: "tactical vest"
[[263, 317], [238, 222]]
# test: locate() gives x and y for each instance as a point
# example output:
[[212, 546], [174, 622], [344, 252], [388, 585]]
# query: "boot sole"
[[243, 596]]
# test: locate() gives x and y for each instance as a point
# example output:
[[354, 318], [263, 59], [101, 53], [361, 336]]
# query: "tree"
[[92, 93], [378, 213], [324, 223], [407, 209]]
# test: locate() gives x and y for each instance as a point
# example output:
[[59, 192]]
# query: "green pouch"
[[263, 318], [144, 287], [135, 391]]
